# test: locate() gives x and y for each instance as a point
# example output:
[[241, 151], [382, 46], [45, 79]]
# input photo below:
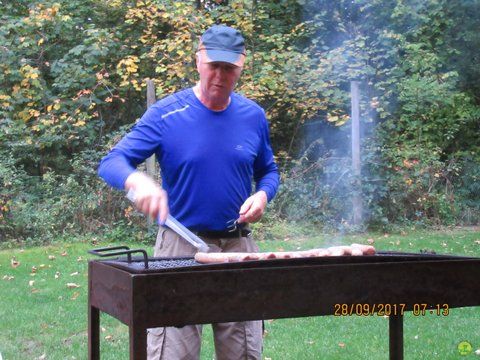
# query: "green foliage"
[[73, 73]]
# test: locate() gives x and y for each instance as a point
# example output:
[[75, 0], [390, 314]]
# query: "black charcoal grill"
[[147, 292]]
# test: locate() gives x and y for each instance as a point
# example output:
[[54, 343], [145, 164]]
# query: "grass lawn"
[[43, 307]]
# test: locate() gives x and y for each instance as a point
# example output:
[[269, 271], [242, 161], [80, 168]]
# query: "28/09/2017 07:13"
[[418, 309]]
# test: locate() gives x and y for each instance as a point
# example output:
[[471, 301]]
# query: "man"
[[210, 143]]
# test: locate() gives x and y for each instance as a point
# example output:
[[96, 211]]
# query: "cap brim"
[[209, 56]]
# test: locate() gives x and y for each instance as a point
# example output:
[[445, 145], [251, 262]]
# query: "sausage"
[[207, 258], [219, 257], [336, 251], [314, 253], [356, 252], [366, 249]]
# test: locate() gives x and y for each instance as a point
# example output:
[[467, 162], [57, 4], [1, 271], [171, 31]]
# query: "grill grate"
[[144, 264], [159, 264]]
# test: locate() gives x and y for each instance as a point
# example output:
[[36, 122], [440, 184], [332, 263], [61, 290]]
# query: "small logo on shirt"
[[239, 147]]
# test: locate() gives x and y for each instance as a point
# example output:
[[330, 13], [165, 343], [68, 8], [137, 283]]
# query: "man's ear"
[[197, 59]]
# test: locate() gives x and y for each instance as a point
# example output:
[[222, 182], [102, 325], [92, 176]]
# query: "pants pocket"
[[155, 341], [160, 241]]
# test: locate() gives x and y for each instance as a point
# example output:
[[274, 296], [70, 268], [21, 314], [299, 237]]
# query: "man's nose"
[[220, 72]]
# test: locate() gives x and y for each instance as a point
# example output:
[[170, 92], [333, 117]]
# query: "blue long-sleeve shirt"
[[207, 158]]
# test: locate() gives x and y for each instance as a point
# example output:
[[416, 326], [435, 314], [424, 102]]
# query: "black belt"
[[213, 234]]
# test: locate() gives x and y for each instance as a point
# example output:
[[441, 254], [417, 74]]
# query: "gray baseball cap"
[[222, 43]]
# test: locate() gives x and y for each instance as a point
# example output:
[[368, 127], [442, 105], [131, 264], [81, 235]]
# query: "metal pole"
[[395, 324], [150, 163], [356, 166]]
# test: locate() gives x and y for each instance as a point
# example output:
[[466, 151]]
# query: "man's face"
[[217, 79]]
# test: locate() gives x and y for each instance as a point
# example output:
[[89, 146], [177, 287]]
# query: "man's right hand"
[[150, 198]]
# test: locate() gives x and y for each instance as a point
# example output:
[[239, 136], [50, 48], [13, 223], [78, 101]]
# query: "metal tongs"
[[178, 228]]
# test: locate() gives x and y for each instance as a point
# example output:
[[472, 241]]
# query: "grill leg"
[[138, 343], [93, 333], [395, 324]]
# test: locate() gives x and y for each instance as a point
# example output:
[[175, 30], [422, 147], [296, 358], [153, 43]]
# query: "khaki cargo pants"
[[235, 340]]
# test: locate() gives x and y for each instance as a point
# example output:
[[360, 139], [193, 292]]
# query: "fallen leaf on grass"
[[310, 342], [41, 266], [72, 285], [64, 253], [34, 291], [14, 262], [75, 295], [477, 242], [109, 337], [42, 357], [477, 352], [370, 241], [51, 257], [8, 277], [31, 282], [341, 344], [74, 273], [103, 329], [57, 275], [79, 259]]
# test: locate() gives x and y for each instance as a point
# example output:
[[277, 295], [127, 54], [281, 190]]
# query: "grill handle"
[[110, 251]]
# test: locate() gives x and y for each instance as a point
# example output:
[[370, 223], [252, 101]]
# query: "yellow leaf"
[[34, 113], [79, 123], [14, 263], [40, 42], [72, 285]]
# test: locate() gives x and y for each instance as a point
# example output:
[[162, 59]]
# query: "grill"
[[147, 292]]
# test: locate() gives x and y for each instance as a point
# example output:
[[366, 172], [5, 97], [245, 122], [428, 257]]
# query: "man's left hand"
[[253, 208]]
